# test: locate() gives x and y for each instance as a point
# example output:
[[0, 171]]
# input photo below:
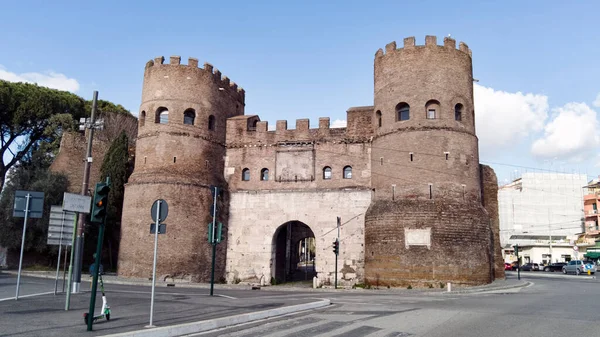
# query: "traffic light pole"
[[213, 240], [84, 190], [96, 272], [99, 208]]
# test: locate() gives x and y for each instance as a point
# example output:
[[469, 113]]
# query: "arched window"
[[348, 172], [211, 122], [264, 174], [378, 116], [402, 112], [432, 109], [458, 109], [189, 116], [142, 118], [162, 115], [245, 174], [327, 173]]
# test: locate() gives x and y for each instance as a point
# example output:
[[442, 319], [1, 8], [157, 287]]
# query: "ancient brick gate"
[[287, 253]]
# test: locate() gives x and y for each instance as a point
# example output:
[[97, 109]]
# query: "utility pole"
[[550, 234], [84, 191]]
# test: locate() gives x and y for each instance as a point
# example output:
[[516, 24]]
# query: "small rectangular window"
[[447, 154], [174, 159], [431, 114], [144, 160], [430, 191], [411, 156], [381, 160]]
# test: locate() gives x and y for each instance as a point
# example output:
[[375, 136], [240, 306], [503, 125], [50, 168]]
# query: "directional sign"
[[76, 202], [164, 210], [36, 204], [162, 228], [60, 226]]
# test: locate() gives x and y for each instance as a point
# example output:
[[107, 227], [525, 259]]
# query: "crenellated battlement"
[[223, 82], [249, 130], [430, 42]]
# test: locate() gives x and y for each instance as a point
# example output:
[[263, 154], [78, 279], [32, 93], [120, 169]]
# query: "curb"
[[211, 324], [457, 290]]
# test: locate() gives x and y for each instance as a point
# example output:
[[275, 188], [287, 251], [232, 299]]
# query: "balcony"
[[592, 196], [591, 212]]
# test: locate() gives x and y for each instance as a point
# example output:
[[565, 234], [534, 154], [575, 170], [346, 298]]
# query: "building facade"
[[542, 213], [415, 206]]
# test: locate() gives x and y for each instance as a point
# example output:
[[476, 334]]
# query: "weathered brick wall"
[[282, 170], [490, 202], [183, 251], [459, 250], [256, 215], [178, 162], [71, 159], [419, 151]]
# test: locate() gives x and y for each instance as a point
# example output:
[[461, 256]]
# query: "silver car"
[[578, 267]]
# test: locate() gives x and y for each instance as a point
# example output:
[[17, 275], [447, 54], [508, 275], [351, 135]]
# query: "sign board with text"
[[76, 202], [60, 226]]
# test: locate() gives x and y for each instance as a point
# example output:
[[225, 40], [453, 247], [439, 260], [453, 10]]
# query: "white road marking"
[[30, 295]]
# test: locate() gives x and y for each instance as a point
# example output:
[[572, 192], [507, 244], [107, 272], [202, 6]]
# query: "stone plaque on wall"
[[295, 163], [417, 237]]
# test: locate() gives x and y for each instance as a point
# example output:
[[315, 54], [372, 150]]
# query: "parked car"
[[513, 266], [555, 266], [579, 267], [507, 266]]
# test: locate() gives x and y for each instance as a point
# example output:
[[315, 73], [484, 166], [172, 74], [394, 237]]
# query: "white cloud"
[[572, 134], [48, 79], [502, 118], [596, 102], [338, 123]]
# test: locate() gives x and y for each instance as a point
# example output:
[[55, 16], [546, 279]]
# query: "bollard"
[[449, 287], [589, 272]]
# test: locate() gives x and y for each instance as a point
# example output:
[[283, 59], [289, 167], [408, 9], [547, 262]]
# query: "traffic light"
[[100, 202], [336, 247]]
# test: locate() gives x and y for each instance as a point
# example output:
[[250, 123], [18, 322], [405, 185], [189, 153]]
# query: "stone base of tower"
[[427, 242], [183, 252]]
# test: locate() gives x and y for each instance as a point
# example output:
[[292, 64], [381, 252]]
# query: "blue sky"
[[537, 61]]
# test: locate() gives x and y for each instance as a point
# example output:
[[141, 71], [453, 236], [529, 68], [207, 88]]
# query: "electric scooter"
[[105, 311]]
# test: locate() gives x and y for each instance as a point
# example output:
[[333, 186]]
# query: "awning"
[[592, 255]]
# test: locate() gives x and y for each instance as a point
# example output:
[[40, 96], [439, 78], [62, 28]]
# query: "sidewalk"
[[499, 284]]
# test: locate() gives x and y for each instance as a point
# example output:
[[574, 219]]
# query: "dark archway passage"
[[294, 252]]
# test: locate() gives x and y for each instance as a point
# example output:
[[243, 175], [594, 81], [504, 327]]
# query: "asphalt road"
[[44, 315], [552, 306], [555, 305]]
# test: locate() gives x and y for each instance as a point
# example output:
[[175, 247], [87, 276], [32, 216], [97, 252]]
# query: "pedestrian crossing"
[[328, 323]]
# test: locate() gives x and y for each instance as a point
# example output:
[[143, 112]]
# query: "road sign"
[[36, 204], [76, 202], [164, 210], [162, 228], [60, 226], [575, 248]]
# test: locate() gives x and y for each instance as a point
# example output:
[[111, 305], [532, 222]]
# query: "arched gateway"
[[293, 252]]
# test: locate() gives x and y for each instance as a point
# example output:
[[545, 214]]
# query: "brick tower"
[[426, 222], [179, 154]]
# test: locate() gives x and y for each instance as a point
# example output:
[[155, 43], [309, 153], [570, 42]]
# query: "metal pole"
[[518, 265], [214, 244], [70, 278], [65, 268], [84, 191], [62, 226], [22, 244], [96, 272], [157, 223]]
